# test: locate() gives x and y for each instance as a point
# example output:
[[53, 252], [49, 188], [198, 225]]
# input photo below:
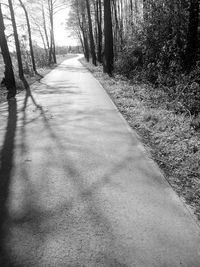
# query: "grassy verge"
[[172, 142]]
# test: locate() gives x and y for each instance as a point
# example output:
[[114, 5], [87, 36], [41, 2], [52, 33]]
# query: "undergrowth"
[[173, 142]]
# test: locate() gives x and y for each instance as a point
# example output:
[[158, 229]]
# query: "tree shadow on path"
[[6, 161], [86, 192], [27, 96], [6, 167]]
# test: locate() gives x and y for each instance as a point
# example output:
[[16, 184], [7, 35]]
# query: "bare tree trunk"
[[17, 45], [99, 27], [192, 42], [92, 44], [9, 74], [108, 47], [85, 37], [86, 46]]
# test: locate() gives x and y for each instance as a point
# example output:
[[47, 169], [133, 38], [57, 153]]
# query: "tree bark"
[[92, 44], [17, 45], [99, 27], [52, 54], [192, 42], [86, 46], [108, 34], [9, 74], [85, 37], [82, 26]]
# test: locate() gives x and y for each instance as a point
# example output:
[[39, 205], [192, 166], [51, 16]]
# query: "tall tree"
[[29, 36], [17, 45], [54, 6], [52, 50], [99, 29], [108, 42], [9, 74], [85, 36], [92, 44], [77, 22]]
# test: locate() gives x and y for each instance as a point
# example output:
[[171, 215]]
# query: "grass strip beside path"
[[168, 136]]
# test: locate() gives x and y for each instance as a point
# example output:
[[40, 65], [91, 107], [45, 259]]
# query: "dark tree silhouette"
[[92, 44], [29, 36], [6, 166], [192, 42], [52, 50], [9, 75], [99, 29], [108, 46], [17, 45]]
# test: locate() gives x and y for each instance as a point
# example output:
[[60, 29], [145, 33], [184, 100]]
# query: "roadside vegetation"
[[153, 77], [168, 135]]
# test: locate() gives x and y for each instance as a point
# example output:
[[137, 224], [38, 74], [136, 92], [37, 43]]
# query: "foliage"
[[156, 51], [41, 57], [162, 38], [26, 58]]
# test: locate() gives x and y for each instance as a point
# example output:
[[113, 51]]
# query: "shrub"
[[158, 46]]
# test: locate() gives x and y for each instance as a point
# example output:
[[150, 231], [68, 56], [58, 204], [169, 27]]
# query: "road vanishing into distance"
[[77, 188]]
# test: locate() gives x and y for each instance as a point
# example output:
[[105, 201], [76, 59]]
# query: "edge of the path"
[[145, 146]]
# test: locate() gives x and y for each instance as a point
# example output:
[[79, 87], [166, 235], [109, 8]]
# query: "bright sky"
[[62, 37]]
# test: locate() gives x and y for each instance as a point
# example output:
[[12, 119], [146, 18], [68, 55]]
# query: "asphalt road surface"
[[78, 189]]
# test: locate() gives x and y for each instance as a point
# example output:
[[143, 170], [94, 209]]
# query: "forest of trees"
[[19, 21], [155, 41]]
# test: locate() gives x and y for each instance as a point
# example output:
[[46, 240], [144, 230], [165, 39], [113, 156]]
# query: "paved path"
[[77, 188]]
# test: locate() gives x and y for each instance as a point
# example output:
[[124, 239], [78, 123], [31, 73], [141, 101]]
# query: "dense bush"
[[41, 57], [162, 41]]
